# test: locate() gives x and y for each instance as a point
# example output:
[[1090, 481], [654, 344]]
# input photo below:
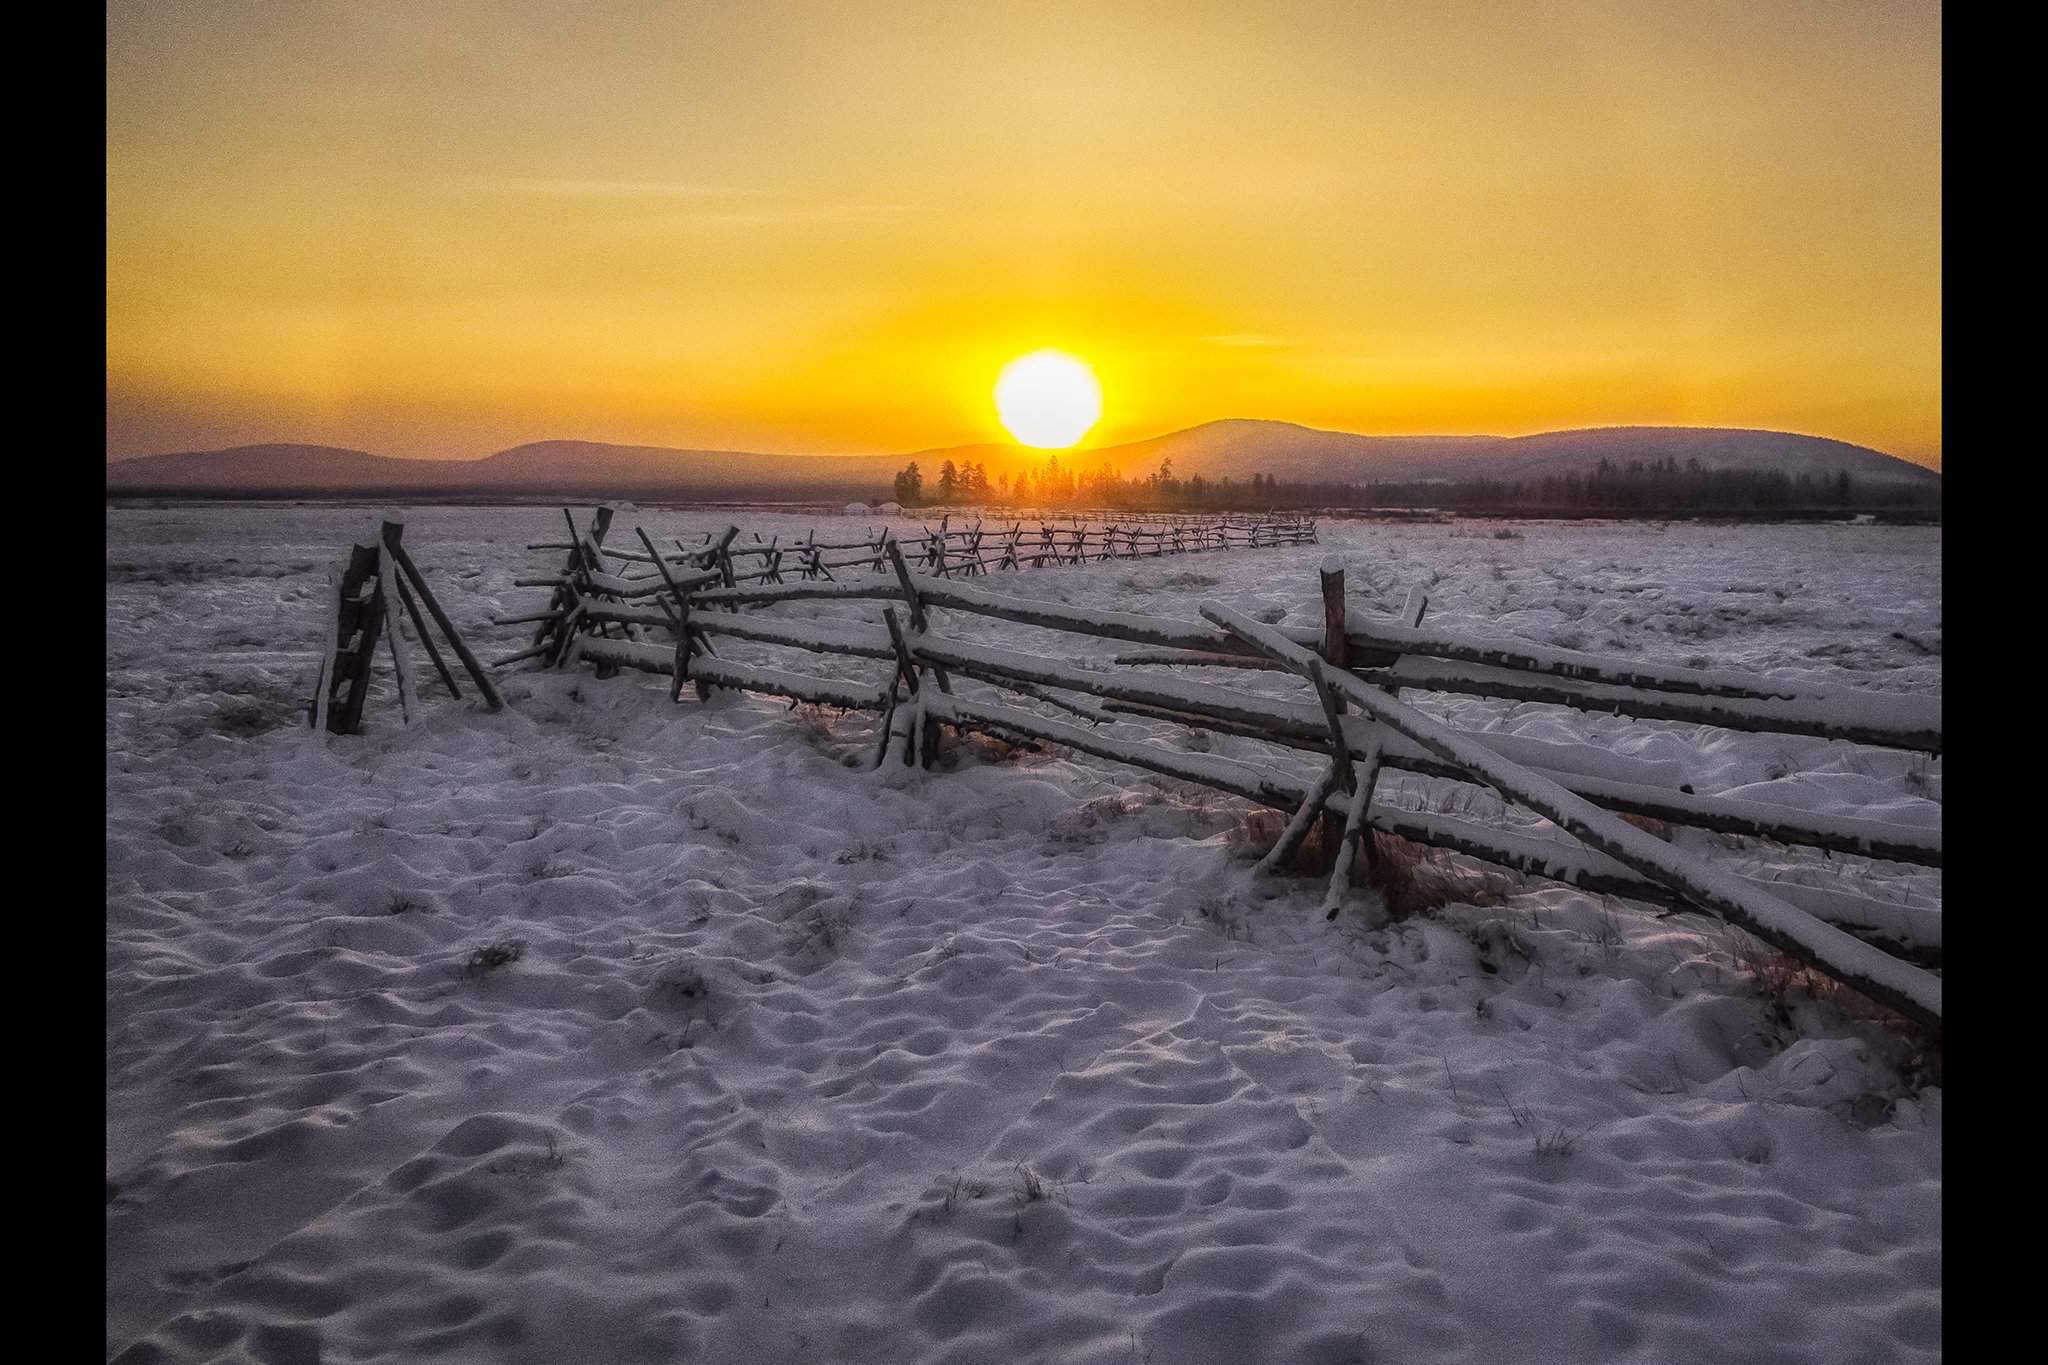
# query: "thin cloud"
[[545, 188], [734, 204], [1243, 339]]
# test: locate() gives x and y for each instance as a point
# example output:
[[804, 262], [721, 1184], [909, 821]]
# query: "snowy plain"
[[1010, 1061]]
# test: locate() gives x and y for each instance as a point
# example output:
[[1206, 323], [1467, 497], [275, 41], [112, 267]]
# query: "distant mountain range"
[[1236, 449]]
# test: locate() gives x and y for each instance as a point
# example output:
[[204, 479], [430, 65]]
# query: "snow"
[[794, 1046]]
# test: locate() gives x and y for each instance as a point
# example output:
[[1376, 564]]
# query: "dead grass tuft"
[[1782, 983], [1412, 878], [1258, 831]]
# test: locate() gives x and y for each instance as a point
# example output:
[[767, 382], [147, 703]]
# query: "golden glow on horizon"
[[1048, 399], [809, 226]]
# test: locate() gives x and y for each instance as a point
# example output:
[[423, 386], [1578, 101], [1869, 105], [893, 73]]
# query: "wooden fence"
[[1354, 667], [361, 607]]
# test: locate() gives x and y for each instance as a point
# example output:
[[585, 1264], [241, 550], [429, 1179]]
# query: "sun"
[[1048, 399]]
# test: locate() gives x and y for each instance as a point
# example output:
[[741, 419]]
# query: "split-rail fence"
[[663, 612]]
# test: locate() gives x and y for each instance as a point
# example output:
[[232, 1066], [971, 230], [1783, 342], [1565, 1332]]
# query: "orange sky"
[[437, 230]]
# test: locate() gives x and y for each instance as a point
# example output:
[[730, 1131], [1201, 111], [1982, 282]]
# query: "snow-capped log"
[[424, 636], [1888, 720], [1107, 625], [391, 538], [820, 637], [652, 658], [1913, 991], [1261, 785], [597, 609], [1913, 931], [1199, 658]]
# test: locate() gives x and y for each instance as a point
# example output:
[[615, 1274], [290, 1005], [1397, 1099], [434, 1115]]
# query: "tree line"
[[1637, 486]]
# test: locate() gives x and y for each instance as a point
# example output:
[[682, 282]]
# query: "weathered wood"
[[1905, 929], [1264, 786], [317, 710], [401, 665], [914, 600], [1335, 653], [1914, 724], [533, 652], [906, 671], [448, 630], [1909, 989], [600, 523], [651, 658], [362, 617], [425, 637], [1281, 854], [1355, 855], [1349, 841], [1521, 656]]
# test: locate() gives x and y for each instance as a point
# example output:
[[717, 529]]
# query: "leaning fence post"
[[401, 665], [906, 671], [364, 616], [1335, 654], [328, 644], [448, 630]]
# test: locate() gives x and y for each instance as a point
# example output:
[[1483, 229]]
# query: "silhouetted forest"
[[1638, 488]]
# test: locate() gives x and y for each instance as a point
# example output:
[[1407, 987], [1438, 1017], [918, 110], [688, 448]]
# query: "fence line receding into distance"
[[662, 611]]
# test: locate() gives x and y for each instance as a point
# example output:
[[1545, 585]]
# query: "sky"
[[440, 230]]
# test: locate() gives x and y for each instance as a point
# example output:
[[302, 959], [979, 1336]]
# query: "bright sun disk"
[[1048, 399]]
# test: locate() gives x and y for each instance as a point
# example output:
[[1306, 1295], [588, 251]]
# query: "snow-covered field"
[[1013, 1061]]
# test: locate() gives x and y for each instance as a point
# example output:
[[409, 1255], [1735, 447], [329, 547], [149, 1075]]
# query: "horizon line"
[[1025, 450]]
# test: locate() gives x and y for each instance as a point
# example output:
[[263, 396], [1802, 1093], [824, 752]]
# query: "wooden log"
[[652, 658], [1291, 838], [900, 651], [448, 630], [1108, 625], [401, 665], [1913, 723], [1910, 990], [1523, 657], [1909, 930], [724, 554], [1349, 841], [914, 600], [425, 637], [1263, 786], [1350, 865], [668, 580], [362, 617], [906, 670], [325, 683], [1199, 658], [1335, 653], [533, 652]]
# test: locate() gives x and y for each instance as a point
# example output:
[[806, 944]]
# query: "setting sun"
[[1048, 399]]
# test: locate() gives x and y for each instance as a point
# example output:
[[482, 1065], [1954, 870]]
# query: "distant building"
[[889, 509], [857, 509]]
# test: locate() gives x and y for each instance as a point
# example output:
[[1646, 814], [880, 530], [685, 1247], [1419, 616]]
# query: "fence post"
[[1335, 653]]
